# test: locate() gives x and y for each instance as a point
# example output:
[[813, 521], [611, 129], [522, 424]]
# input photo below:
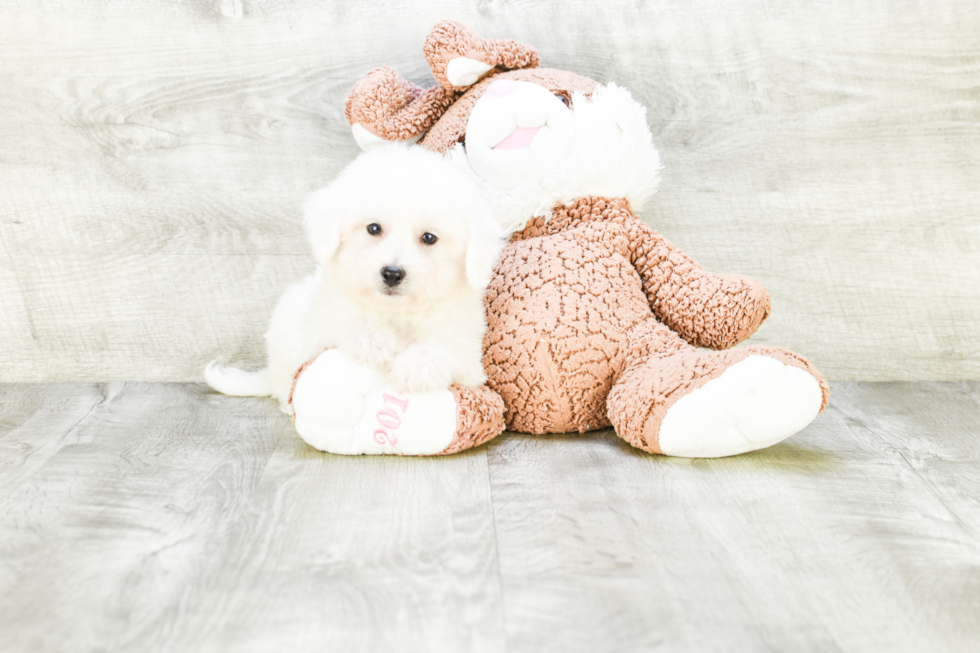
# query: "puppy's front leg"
[[372, 348], [470, 373], [427, 365]]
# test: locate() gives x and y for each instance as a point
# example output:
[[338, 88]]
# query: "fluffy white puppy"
[[405, 247]]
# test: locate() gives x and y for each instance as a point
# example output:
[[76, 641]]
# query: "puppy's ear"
[[321, 221], [487, 238]]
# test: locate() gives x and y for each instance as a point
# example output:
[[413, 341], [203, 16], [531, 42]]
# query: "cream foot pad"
[[343, 407], [754, 404]]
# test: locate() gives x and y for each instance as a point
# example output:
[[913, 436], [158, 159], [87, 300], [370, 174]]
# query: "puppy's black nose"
[[392, 276]]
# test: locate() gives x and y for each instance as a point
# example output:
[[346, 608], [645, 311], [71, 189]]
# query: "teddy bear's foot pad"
[[754, 404], [344, 407]]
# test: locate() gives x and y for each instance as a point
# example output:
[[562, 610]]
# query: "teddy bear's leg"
[[384, 107], [682, 401], [479, 417], [459, 58], [342, 407]]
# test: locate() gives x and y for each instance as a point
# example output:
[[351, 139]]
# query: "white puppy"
[[405, 247]]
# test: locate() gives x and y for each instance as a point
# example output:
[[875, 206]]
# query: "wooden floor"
[[163, 517]]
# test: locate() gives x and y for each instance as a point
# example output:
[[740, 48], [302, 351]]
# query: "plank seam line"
[[272, 453], [84, 418], [496, 548], [73, 429], [932, 490], [78, 424], [963, 525]]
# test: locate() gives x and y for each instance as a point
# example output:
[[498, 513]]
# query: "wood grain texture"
[[102, 543], [181, 520], [165, 517], [36, 422], [356, 554], [861, 533], [153, 156]]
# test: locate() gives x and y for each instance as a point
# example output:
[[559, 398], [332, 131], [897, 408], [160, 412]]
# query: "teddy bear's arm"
[[717, 311]]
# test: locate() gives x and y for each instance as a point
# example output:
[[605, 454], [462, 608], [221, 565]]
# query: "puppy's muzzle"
[[392, 276]]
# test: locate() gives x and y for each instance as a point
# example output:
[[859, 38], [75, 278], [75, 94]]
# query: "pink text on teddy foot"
[[389, 420]]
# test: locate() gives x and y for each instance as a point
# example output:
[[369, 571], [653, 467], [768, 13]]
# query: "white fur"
[[600, 146], [423, 334], [366, 140]]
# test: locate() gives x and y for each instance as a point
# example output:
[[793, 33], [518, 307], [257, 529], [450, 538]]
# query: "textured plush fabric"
[[571, 299], [449, 40], [594, 318], [479, 414], [451, 127], [393, 109], [661, 369], [479, 417]]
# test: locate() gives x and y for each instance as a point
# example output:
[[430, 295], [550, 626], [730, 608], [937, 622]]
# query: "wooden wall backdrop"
[[154, 153]]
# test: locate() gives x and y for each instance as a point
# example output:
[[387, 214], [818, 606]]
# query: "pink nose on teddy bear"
[[593, 318]]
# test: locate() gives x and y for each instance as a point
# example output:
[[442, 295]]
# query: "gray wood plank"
[[177, 519], [355, 554], [155, 154], [36, 422], [101, 545], [161, 517], [858, 534]]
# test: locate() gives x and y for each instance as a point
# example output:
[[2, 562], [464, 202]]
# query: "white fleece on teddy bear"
[[343, 407], [600, 146], [754, 404]]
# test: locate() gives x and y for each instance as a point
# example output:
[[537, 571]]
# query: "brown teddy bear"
[[594, 318]]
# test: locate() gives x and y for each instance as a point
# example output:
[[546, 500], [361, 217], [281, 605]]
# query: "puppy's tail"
[[231, 381]]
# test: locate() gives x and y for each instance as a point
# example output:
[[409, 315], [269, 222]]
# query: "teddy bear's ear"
[[383, 107], [459, 58]]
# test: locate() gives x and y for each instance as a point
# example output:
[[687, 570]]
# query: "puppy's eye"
[[374, 229], [429, 239], [563, 99]]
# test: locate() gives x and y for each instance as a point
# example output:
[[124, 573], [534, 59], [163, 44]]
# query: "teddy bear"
[[594, 318]]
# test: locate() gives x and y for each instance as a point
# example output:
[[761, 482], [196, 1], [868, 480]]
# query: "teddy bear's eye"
[[564, 99], [374, 229], [429, 239]]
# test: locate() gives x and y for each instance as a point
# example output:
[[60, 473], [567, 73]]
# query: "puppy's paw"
[[420, 369], [472, 376], [374, 349]]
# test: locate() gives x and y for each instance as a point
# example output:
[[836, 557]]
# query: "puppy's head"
[[403, 226]]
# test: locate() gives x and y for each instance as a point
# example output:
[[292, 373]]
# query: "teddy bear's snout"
[[510, 114]]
